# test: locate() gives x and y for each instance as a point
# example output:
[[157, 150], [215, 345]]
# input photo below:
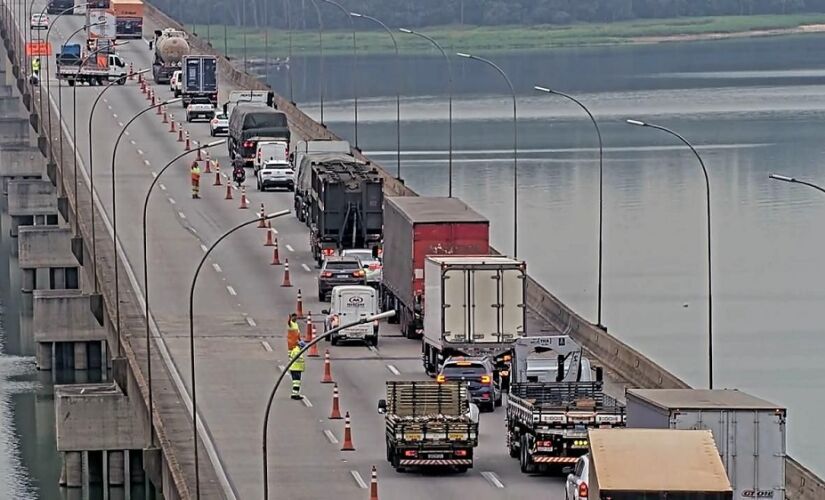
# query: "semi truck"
[[633, 464], [547, 422], [749, 432], [429, 425], [346, 207], [128, 18], [417, 226], [473, 306], [169, 45], [200, 79]]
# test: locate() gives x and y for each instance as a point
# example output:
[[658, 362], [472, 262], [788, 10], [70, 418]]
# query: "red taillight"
[[359, 273], [486, 379], [375, 267], [410, 453], [583, 490], [248, 144], [326, 274], [544, 444], [441, 379], [329, 251], [461, 453]]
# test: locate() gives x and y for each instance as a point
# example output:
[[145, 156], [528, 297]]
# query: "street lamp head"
[[379, 317], [171, 101], [782, 178], [637, 123], [544, 89], [213, 144], [462, 54], [405, 30], [355, 14]]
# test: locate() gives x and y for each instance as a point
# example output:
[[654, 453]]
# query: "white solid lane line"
[[330, 436], [358, 480], [493, 479], [231, 290]]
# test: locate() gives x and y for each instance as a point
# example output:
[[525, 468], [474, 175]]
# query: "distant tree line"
[[420, 13]]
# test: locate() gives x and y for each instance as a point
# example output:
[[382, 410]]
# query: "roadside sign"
[[38, 48]]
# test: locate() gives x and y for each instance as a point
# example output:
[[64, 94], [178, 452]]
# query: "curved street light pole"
[[74, 136], [515, 143], [315, 340], [794, 180], [397, 88], [206, 254], [119, 81], [146, 277], [601, 198], [450, 103], [354, 59], [114, 211], [710, 266]]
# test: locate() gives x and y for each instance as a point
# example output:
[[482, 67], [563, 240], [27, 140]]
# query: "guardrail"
[[626, 363]]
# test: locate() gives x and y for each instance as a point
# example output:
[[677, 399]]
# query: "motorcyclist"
[[239, 174]]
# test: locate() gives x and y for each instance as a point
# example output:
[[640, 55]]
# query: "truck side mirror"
[[382, 406], [324, 311]]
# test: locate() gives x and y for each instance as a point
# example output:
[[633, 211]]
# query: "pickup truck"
[[429, 425], [200, 107], [97, 70]]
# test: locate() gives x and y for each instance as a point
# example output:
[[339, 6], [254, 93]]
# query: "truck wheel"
[[333, 340], [514, 451], [71, 83], [122, 79], [525, 462]]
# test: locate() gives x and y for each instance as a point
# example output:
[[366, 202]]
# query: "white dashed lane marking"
[[306, 402], [393, 369], [267, 348], [251, 322], [231, 290], [203, 247], [330, 436], [162, 187], [181, 215], [140, 152], [493, 479], [217, 268], [172, 201], [306, 268], [358, 480]]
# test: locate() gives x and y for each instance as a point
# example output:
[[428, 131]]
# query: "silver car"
[[576, 487], [373, 266]]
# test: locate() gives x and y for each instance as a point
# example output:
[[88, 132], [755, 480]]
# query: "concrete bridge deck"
[[240, 313]]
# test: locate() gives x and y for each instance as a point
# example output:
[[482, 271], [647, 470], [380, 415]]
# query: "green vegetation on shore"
[[501, 38]]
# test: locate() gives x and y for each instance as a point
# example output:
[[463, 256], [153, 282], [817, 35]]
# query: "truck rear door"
[[192, 79]]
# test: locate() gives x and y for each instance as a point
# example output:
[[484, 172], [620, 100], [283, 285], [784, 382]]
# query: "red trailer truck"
[[415, 227]]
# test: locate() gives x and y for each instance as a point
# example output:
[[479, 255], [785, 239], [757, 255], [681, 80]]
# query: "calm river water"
[[752, 107]]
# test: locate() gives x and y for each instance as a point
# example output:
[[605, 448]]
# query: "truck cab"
[[348, 304]]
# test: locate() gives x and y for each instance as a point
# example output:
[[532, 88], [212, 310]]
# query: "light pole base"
[[96, 306], [602, 327]]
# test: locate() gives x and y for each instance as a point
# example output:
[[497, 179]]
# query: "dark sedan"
[[339, 271]]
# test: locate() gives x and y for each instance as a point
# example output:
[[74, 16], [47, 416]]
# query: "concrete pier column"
[[44, 356], [81, 360], [73, 465], [136, 467], [116, 468]]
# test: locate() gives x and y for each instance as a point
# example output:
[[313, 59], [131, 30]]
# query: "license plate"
[[456, 437], [435, 455], [413, 437]]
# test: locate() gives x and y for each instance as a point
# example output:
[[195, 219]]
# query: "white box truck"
[[473, 306], [749, 432]]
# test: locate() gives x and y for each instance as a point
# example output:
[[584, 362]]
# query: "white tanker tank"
[[170, 46]]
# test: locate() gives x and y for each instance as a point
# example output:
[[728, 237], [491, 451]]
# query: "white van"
[[271, 152], [350, 303]]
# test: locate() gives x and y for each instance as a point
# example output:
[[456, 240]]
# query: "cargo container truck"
[[128, 18], [749, 432], [415, 227], [200, 79]]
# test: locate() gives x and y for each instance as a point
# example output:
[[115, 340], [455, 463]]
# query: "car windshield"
[[221, 117], [456, 371], [342, 265], [277, 166]]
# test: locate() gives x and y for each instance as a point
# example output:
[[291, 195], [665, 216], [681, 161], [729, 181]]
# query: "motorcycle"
[[239, 176]]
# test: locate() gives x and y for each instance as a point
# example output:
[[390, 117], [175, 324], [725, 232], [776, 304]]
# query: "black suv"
[[337, 271], [480, 376]]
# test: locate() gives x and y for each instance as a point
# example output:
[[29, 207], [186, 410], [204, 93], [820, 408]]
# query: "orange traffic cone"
[[286, 282], [327, 379], [269, 241], [172, 127], [276, 260], [374, 484], [310, 330], [313, 349], [165, 115], [149, 93], [199, 156], [244, 201], [299, 310], [228, 192], [187, 145], [217, 177], [180, 132], [142, 87], [335, 414], [159, 110], [140, 77], [207, 169], [131, 71], [347, 446], [262, 221]]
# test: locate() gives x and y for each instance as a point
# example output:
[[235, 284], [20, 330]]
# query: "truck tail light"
[[461, 453], [441, 379], [329, 251], [248, 144], [486, 379], [583, 490], [544, 444], [410, 453]]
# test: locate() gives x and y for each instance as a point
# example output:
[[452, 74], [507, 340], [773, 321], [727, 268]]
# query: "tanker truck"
[[170, 45]]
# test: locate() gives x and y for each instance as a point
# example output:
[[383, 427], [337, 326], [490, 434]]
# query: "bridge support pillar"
[[62, 322]]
